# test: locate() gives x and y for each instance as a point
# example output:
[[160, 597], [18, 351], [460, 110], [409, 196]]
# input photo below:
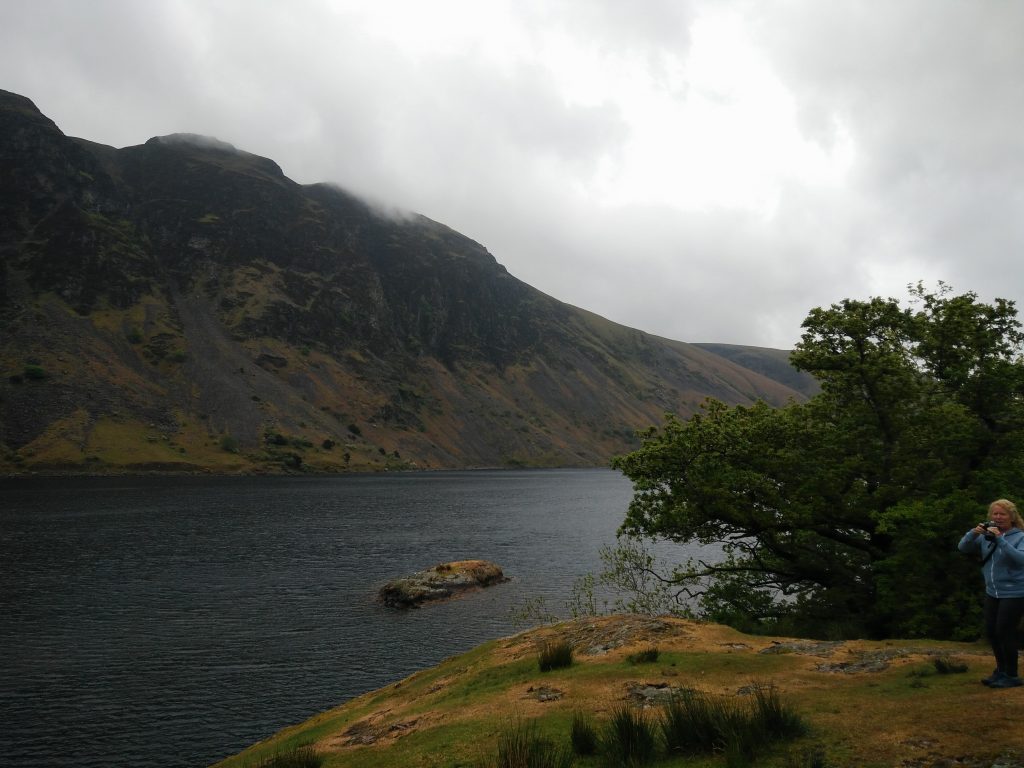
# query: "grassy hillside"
[[864, 704]]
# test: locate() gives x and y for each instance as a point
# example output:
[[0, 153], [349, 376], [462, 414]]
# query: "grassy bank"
[[853, 703]]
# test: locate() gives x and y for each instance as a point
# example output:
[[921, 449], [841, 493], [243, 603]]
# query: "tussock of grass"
[[555, 654], [300, 757], [693, 723], [629, 738], [775, 718], [646, 656], [696, 723], [521, 746], [583, 734], [947, 665]]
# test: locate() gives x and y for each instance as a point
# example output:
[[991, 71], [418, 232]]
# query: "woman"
[[1001, 546]]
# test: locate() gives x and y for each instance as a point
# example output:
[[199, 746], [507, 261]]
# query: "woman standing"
[[1000, 542]]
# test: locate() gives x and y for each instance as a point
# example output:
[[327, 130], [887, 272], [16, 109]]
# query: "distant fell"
[[773, 363], [182, 305]]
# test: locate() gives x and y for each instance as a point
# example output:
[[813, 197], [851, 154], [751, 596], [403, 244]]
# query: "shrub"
[[520, 746], [582, 734], [34, 372], [555, 654], [629, 738], [229, 444]]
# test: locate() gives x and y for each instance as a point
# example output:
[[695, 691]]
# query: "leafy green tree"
[[839, 516]]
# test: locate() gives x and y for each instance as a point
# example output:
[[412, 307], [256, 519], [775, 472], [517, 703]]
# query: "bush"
[[555, 654], [229, 444], [520, 746], [583, 735], [35, 372]]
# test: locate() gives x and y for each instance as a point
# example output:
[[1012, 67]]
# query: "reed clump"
[[299, 757], [555, 654], [522, 746]]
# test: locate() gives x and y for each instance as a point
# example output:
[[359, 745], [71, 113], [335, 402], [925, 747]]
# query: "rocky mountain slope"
[[183, 305]]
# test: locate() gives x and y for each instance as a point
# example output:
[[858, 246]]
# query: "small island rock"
[[440, 583]]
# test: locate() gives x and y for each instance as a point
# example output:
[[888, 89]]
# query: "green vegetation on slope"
[[787, 703]]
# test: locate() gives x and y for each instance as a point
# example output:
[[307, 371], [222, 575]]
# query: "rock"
[[543, 694], [653, 694], [440, 583]]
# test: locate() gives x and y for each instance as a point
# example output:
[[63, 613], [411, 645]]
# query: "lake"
[[174, 621]]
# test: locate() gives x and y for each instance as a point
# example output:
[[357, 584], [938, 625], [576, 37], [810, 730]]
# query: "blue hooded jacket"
[[1004, 570]]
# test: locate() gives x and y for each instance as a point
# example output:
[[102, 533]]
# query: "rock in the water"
[[440, 583]]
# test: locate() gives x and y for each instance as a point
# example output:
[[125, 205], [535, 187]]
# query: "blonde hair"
[[1009, 506]]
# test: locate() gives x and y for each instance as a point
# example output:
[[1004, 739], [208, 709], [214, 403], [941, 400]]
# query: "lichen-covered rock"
[[440, 583]]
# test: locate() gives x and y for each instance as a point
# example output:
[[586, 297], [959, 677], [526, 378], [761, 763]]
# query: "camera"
[[986, 525]]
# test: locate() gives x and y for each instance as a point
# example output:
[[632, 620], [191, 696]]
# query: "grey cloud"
[[928, 92]]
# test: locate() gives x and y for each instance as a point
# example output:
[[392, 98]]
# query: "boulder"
[[441, 582]]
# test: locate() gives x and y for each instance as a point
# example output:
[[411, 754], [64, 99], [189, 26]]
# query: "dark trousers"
[[1002, 616]]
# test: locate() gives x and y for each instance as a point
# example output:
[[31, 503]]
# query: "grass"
[[555, 654], [946, 665], [629, 738], [800, 716], [777, 720], [521, 746], [646, 656], [583, 734], [299, 757], [693, 723]]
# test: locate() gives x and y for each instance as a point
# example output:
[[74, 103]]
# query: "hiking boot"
[[1006, 682], [996, 675]]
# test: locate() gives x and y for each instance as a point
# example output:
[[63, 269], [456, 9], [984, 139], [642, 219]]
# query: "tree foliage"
[[839, 516]]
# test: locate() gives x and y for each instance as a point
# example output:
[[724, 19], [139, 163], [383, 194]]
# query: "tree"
[[839, 516]]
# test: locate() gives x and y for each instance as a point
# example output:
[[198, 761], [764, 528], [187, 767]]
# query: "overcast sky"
[[705, 171]]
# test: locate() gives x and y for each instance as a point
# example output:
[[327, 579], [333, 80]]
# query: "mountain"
[[773, 363], [183, 305]]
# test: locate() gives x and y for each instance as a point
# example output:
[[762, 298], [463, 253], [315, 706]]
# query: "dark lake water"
[[175, 621]]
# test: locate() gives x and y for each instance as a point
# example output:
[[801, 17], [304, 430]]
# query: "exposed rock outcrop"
[[441, 582]]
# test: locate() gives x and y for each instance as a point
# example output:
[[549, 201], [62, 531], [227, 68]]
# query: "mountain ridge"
[[182, 304]]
